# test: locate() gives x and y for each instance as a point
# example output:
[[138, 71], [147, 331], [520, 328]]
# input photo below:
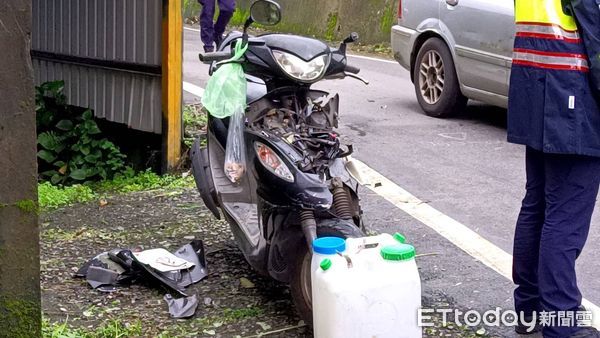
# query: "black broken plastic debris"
[[182, 307], [101, 261], [120, 268], [194, 253], [97, 277], [104, 274]]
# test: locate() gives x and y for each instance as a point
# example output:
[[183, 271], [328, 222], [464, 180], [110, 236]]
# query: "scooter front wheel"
[[300, 286]]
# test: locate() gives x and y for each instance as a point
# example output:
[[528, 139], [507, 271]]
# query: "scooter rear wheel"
[[300, 286]]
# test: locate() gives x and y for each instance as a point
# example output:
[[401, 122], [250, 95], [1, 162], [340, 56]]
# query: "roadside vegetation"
[[78, 164], [71, 147], [110, 329], [115, 328], [382, 49], [52, 196], [194, 121]]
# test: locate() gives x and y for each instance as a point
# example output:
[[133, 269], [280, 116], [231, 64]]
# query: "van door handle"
[[452, 2]]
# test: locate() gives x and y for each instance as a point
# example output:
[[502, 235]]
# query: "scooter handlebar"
[[352, 69], [214, 56]]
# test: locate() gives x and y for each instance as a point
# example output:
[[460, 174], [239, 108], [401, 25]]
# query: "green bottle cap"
[[326, 264], [400, 252], [400, 237]]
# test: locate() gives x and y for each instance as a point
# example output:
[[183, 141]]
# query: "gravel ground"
[[157, 219], [235, 301]]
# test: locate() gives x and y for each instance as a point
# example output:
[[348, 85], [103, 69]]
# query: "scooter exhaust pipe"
[[309, 226]]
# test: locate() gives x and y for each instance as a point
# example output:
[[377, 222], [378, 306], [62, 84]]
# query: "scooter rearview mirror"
[[352, 38], [265, 12]]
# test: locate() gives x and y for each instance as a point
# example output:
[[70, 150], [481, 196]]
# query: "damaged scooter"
[[300, 182]]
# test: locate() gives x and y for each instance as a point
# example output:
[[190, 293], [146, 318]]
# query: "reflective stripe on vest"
[[546, 60], [546, 31]]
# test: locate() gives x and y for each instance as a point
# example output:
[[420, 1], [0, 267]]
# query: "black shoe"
[[522, 329], [209, 49], [586, 332]]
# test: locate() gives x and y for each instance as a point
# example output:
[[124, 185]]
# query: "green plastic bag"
[[225, 92], [225, 96]]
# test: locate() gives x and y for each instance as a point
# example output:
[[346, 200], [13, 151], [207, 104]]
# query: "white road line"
[[372, 58], [463, 237], [350, 55], [193, 89], [457, 233]]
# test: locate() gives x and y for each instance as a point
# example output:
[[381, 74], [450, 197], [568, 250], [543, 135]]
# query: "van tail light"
[[400, 9]]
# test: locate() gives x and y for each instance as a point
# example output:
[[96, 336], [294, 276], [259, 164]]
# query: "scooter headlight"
[[270, 160], [300, 69]]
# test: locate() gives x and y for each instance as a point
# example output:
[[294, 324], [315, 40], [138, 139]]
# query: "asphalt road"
[[461, 166]]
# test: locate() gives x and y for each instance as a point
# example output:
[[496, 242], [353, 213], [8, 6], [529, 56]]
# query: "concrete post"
[[20, 314]]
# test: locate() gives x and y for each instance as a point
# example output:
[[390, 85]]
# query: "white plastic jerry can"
[[331, 248], [371, 289]]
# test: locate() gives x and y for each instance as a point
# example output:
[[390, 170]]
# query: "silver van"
[[455, 50]]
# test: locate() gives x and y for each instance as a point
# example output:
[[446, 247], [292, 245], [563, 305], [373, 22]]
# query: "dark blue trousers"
[[211, 31], [551, 231]]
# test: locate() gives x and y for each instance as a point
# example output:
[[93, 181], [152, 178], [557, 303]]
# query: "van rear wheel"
[[436, 82], [300, 286]]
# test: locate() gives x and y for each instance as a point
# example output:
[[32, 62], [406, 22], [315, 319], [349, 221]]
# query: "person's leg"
[[226, 9], [571, 191], [527, 236], [207, 30]]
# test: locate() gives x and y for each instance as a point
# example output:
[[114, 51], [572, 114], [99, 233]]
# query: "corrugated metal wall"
[[108, 52]]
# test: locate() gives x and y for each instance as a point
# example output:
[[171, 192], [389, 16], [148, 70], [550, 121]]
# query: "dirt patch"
[[157, 219], [235, 301]]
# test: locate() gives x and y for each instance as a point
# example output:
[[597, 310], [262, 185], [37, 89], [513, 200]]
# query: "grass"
[[388, 17], [145, 180], [194, 117], [27, 206], [239, 17], [194, 121], [52, 197], [117, 329], [109, 329], [332, 22]]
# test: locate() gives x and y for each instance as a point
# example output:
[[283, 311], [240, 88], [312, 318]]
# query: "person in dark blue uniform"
[[553, 111], [211, 32]]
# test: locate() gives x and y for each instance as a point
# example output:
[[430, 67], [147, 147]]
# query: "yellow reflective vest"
[[544, 12]]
